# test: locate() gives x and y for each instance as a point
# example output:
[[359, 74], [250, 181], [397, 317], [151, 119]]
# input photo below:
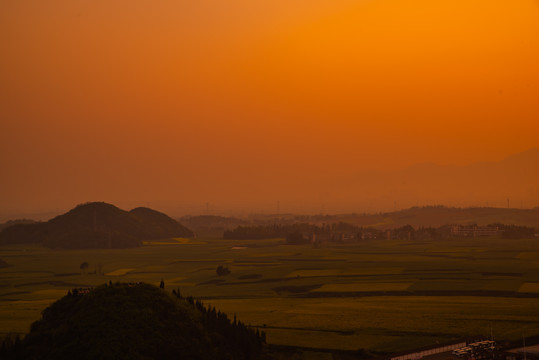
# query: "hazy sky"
[[243, 102]]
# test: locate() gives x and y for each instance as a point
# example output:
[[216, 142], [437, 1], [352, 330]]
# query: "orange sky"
[[241, 103]]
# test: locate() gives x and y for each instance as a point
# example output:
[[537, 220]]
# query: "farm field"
[[389, 295]]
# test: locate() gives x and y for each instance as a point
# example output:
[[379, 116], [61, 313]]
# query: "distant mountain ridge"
[[417, 217], [436, 216], [97, 225], [512, 182]]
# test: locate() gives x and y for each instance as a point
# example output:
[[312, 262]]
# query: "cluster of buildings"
[[476, 350], [474, 231], [470, 350]]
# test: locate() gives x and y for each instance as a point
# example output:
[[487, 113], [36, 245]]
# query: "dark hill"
[[96, 225], [134, 321], [15, 222], [159, 225]]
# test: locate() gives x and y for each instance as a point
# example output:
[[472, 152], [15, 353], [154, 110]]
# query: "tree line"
[[302, 233], [235, 339]]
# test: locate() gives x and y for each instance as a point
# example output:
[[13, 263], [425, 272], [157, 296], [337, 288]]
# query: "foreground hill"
[[134, 321], [97, 225]]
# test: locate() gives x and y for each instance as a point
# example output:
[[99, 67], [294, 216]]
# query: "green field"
[[379, 295]]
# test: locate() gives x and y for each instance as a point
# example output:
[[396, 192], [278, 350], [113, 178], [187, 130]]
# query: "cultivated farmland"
[[380, 295]]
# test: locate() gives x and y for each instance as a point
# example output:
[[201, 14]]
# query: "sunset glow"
[[246, 103]]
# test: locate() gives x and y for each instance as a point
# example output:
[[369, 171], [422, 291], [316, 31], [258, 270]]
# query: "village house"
[[474, 231]]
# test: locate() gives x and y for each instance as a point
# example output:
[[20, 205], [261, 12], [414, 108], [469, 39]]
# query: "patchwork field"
[[379, 295]]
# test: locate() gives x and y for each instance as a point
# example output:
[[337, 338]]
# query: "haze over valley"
[[285, 179], [333, 106], [511, 182]]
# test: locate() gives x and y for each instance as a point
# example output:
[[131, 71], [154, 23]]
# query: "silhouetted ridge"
[[134, 321], [16, 222], [97, 225], [159, 225]]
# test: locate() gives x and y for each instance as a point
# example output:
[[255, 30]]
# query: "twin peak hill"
[[97, 225]]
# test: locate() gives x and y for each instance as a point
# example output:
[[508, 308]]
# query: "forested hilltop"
[[97, 225], [134, 321]]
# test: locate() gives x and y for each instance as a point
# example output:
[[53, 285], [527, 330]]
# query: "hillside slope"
[[134, 321], [158, 225]]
